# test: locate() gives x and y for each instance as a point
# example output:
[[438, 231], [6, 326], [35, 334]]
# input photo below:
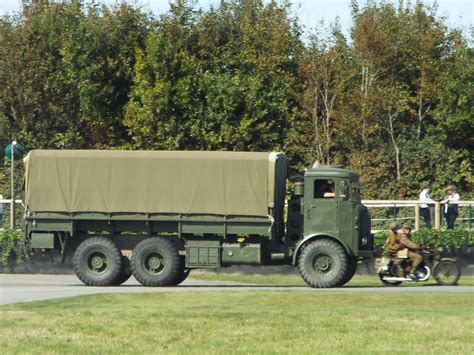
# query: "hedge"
[[13, 248], [448, 238]]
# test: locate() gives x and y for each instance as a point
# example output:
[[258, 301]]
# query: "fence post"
[[417, 216], [437, 221], [12, 205], [470, 216]]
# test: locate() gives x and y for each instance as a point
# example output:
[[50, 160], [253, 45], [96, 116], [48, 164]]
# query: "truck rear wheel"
[[156, 262], [97, 261], [323, 263], [125, 272], [183, 273], [183, 276]]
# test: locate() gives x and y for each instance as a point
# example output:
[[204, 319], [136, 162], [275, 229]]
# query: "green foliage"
[[12, 248], [67, 70], [393, 102], [448, 238], [454, 238], [222, 80]]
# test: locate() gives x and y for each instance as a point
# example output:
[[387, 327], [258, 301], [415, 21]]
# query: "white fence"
[[409, 210]]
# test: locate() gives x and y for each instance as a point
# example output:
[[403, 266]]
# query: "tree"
[[225, 84], [67, 73], [327, 74]]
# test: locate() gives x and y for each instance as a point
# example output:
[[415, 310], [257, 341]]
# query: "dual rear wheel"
[[97, 261], [155, 262]]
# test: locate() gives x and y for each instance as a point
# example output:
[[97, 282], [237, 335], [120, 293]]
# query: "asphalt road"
[[15, 288]]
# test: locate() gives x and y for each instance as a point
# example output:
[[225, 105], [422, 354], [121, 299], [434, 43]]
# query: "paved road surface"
[[16, 288]]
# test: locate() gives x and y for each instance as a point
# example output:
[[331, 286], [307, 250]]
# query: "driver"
[[406, 243]]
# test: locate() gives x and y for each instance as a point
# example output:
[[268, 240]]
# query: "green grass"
[[242, 322], [296, 280]]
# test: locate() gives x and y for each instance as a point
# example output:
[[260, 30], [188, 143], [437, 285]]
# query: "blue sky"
[[459, 13]]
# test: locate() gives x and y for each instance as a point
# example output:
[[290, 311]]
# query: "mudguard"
[[318, 236]]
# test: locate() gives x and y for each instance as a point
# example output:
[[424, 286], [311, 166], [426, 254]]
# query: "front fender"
[[314, 237]]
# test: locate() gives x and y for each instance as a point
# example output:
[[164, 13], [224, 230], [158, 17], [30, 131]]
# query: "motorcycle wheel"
[[389, 283], [423, 273], [447, 273]]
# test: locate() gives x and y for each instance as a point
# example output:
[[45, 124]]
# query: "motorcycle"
[[444, 270]]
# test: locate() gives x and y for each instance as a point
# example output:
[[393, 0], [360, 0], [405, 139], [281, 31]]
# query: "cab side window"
[[344, 190], [324, 189]]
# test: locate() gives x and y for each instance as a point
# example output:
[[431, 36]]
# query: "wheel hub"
[[322, 263], [155, 263], [97, 262]]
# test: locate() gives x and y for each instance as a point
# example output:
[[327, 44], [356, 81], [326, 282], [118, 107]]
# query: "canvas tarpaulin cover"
[[224, 183]]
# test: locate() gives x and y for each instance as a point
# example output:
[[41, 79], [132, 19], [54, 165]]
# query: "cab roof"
[[332, 171]]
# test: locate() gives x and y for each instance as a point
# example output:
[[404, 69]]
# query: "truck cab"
[[326, 210]]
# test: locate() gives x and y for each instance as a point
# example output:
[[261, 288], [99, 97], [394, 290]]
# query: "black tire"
[[447, 273], [351, 270], [323, 263], [97, 261], [184, 272], [184, 275], [156, 262], [125, 272], [389, 283]]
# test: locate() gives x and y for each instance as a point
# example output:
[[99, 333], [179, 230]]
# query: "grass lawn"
[[242, 322], [296, 280]]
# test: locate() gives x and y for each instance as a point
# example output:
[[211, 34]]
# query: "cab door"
[[345, 210], [320, 206]]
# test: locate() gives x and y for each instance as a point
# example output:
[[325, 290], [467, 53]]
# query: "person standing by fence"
[[426, 204], [451, 206]]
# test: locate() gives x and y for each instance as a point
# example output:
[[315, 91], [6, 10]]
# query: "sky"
[[459, 13]]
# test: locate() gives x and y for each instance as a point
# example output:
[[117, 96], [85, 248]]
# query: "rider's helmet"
[[394, 226], [408, 225]]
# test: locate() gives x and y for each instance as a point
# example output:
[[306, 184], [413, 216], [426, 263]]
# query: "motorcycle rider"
[[392, 244], [406, 243]]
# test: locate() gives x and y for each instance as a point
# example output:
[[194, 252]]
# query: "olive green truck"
[[158, 215]]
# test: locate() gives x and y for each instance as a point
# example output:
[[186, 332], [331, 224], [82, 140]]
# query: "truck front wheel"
[[350, 271], [323, 263], [156, 262], [97, 261]]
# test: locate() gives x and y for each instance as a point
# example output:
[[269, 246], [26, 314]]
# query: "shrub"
[[13, 248], [448, 238]]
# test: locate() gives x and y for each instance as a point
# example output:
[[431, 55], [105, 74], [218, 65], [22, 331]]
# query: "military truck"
[[174, 211]]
